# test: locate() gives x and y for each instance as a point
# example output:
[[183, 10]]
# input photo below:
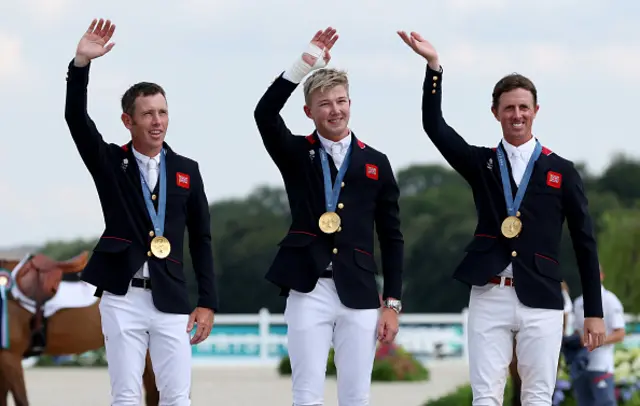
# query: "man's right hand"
[[316, 56], [421, 47], [93, 43], [325, 41]]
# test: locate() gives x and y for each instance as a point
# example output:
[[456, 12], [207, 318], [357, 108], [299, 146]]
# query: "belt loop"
[[502, 280]]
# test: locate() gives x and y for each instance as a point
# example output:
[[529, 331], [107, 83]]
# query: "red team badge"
[[554, 179], [182, 180], [372, 171]]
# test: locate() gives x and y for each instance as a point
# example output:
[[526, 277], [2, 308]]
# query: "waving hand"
[[94, 42]]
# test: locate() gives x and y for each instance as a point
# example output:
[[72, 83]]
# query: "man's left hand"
[[594, 332], [203, 318], [387, 326]]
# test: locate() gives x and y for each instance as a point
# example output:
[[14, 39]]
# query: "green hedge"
[[463, 396], [391, 363], [96, 358], [627, 377]]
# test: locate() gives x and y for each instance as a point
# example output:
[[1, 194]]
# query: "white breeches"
[[131, 324], [495, 317], [315, 321]]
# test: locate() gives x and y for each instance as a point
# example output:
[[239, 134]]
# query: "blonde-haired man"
[[338, 188]]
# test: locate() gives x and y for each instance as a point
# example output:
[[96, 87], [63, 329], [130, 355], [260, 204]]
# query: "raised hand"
[[325, 41], [421, 47], [93, 43]]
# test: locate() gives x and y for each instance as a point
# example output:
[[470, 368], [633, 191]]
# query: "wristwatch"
[[393, 304]]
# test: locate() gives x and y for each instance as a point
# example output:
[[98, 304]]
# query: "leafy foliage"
[[626, 377]]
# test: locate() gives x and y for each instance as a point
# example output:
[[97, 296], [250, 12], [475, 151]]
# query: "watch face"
[[394, 304]]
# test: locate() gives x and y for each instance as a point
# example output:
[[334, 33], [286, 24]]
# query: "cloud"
[[621, 60], [49, 11], [472, 60], [12, 62]]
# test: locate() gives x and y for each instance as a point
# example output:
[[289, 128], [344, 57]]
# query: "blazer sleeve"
[[276, 137], [199, 230], [387, 219], [89, 142], [581, 231], [455, 150]]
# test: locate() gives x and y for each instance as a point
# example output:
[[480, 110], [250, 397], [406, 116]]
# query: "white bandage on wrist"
[[300, 68]]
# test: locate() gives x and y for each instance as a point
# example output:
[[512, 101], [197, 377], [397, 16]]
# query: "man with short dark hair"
[[137, 265], [512, 262]]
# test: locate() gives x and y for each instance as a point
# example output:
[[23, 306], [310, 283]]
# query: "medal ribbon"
[[4, 309], [331, 194], [157, 218], [514, 205]]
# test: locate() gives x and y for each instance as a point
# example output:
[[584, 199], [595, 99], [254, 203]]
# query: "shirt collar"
[[144, 159], [327, 143], [525, 150]]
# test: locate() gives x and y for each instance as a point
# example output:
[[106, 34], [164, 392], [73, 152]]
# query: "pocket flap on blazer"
[[175, 269], [365, 261], [480, 244], [112, 244], [547, 266], [297, 240]]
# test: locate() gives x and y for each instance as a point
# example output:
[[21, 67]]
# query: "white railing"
[[261, 338]]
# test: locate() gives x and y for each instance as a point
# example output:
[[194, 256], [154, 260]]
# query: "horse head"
[[39, 277]]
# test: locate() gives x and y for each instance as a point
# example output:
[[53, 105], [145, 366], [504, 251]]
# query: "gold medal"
[[511, 227], [4, 281], [160, 247], [329, 222]]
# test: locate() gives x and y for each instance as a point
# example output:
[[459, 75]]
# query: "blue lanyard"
[[514, 205], [331, 194], [157, 218]]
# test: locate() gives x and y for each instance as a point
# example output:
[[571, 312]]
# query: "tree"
[[619, 245]]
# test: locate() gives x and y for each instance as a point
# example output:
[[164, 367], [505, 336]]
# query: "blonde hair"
[[324, 79]]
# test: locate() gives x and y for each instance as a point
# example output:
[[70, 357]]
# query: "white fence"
[[260, 339]]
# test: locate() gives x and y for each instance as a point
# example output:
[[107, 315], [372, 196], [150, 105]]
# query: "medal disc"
[[511, 227], [329, 222], [160, 247]]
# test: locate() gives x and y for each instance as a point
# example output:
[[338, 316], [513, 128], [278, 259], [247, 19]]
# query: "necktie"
[[518, 165], [336, 154], [152, 174]]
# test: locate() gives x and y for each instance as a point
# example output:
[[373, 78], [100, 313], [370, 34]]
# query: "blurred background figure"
[[595, 385]]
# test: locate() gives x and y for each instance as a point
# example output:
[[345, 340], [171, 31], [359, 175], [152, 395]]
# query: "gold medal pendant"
[[329, 222], [511, 227], [160, 247]]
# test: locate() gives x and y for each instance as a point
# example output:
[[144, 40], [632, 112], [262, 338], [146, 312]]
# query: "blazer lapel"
[[314, 146], [540, 169], [497, 174], [133, 176], [357, 159], [171, 173]]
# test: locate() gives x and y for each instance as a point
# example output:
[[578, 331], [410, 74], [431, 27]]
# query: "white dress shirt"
[[518, 158], [144, 164], [337, 149]]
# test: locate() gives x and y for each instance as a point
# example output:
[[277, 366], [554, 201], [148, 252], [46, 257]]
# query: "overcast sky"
[[216, 57]]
